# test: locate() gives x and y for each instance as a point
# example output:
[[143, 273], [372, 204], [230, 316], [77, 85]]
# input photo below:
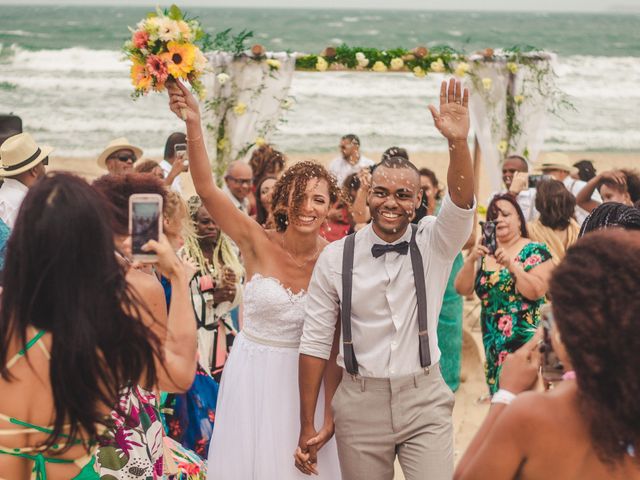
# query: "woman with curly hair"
[[587, 426], [265, 161], [511, 283], [257, 417]]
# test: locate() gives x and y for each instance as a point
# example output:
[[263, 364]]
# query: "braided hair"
[[611, 215]]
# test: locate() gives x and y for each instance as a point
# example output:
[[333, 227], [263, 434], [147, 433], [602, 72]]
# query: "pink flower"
[[533, 260], [140, 39], [501, 357], [157, 68], [505, 323], [189, 468], [158, 467], [483, 280], [123, 442]]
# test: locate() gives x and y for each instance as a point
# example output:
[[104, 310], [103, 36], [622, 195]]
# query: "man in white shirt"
[[558, 166], [516, 168], [350, 161], [238, 182], [169, 165], [23, 163], [392, 400]]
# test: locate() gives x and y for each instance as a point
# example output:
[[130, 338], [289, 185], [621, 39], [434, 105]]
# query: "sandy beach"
[[468, 414]]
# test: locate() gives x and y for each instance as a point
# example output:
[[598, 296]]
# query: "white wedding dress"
[[258, 412]]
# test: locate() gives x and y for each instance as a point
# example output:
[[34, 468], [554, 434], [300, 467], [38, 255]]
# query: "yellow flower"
[[438, 66], [397, 64], [185, 31], [321, 64], [462, 69], [487, 83], [140, 77], [222, 143], [273, 63], [379, 67], [518, 99], [512, 67], [259, 141], [179, 58], [240, 109], [503, 146], [419, 72]]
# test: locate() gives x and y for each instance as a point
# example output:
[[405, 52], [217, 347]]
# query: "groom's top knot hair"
[[395, 152], [396, 162]]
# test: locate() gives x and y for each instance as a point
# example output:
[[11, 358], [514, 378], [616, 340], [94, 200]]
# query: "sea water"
[[61, 70]]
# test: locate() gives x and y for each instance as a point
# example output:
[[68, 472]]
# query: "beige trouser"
[[379, 418]]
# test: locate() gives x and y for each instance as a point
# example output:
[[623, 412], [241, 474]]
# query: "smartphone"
[[534, 180], [180, 150], [552, 368], [489, 236], [145, 223]]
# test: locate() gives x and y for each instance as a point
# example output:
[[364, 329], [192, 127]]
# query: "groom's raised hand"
[[453, 118]]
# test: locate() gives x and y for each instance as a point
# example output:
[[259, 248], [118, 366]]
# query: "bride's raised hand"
[[182, 102]]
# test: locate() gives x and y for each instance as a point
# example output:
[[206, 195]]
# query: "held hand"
[[168, 264], [519, 183], [182, 101], [503, 258], [324, 435], [225, 293], [519, 371], [306, 457], [453, 118]]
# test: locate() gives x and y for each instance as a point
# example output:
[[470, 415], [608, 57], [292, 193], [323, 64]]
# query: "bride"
[[257, 416]]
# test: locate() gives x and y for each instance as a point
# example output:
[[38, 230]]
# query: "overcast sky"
[[504, 5]]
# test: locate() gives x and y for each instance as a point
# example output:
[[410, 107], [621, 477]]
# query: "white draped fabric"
[[246, 105], [488, 111]]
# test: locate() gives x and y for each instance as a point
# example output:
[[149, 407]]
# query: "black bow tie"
[[378, 249]]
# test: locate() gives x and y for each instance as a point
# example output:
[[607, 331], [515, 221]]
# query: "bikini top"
[[36, 454]]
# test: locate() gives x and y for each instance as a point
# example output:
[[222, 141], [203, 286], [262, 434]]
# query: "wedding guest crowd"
[[234, 349]]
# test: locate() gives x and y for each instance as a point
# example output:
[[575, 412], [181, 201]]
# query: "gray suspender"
[[350, 361]]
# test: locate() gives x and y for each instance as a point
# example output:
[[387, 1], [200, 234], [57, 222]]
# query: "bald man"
[[238, 180]]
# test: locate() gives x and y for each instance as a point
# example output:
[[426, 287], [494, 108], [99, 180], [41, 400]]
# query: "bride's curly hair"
[[295, 179], [596, 304]]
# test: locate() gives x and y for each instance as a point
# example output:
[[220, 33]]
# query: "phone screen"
[[145, 224], [489, 236], [181, 153], [534, 180], [552, 368]]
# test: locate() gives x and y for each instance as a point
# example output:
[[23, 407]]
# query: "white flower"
[[168, 30], [379, 67], [222, 78], [396, 63], [200, 62], [518, 99], [360, 57], [487, 83], [438, 66], [512, 67], [185, 31], [419, 72], [273, 63], [363, 63]]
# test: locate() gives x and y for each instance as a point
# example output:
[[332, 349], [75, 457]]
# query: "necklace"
[[300, 265]]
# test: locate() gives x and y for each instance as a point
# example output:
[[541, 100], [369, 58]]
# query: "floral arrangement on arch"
[[166, 45]]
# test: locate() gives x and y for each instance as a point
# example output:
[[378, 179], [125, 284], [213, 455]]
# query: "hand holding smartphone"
[[145, 223], [181, 154]]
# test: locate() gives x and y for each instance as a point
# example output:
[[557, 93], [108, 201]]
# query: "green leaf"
[[110, 458], [175, 13]]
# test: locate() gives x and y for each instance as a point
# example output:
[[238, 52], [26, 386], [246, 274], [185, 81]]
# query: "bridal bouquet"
[[164, 46]]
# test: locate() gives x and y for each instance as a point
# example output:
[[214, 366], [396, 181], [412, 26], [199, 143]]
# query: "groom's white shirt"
[[384, 312]]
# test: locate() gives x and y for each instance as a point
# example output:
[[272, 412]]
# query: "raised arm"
[[453, 122], [240, 227], [584, 197]]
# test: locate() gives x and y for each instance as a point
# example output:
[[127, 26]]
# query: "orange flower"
[[179, 58], [140, 77]]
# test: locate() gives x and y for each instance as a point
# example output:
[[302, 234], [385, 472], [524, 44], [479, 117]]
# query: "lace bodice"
[[272, 312]]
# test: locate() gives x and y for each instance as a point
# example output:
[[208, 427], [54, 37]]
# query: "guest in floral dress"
[[511, 284]]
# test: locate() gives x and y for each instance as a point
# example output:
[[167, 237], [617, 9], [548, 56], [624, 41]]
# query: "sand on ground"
[[468, 414]]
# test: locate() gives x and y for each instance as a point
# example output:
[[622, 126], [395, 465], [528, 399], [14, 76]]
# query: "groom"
[[386, 283]]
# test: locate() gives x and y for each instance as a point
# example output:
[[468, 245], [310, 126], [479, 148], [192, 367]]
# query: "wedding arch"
[[513, 91]]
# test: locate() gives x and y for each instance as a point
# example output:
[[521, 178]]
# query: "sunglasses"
[[241, 181], [124, 157]]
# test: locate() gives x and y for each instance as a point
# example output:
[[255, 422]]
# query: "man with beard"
[[386, 283]]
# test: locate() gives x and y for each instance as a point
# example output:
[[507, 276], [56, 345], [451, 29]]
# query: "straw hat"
[[558, 161], [19, 153], [114, 145]]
